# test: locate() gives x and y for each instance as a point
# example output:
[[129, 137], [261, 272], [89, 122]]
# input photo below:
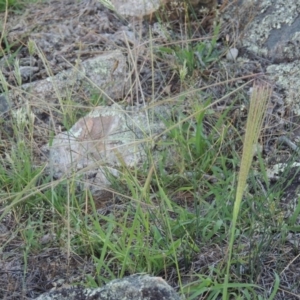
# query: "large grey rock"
[[274, 33], [172, 8], [98, 73], [105, 139], [136, 287], [136, 8]]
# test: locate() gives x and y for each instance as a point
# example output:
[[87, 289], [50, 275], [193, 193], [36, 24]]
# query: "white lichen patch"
[[274, 15], [276, 170], [287, 77], [275, 33]]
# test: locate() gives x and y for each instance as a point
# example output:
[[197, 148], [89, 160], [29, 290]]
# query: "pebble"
[[232, 54]]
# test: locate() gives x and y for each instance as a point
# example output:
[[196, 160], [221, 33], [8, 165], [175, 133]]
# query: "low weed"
[[193, 55]]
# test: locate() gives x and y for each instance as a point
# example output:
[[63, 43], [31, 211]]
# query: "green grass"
[[202, 208], [5, 4], [15, 5], [163, 235]]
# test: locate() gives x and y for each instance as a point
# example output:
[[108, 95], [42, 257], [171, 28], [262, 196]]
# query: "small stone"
[[4, 104], [232, 54]]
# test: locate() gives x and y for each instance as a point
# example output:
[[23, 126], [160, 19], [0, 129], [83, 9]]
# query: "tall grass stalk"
[[258, 104]]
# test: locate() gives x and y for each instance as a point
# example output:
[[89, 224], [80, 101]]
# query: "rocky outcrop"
[[275, 31], [136, 287], [95, 73], [274, 34]]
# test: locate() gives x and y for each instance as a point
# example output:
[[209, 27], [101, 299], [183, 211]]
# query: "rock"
[[4, 104], [275, 31], [173, 9], [286, 76], [232, 54], [136, 8], [106, 138], [96, 73], [135, 287]]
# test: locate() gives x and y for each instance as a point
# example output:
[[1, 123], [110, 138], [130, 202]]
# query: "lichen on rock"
[[274, 28], [135, 287]]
